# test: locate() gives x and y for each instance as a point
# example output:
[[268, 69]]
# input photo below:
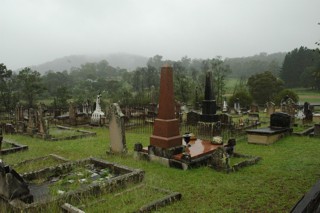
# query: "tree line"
[[116, 85], [300, 68]]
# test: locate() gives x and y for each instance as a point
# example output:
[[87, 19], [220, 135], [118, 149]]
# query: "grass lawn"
[[287, 170]]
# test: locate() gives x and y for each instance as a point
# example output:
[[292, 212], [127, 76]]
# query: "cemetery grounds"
[[288, 169]]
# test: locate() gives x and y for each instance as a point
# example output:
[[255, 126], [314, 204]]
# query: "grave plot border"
[[126, 175], [169, 198], [250, 160], [85, 134], [57, 157], [16, 147]]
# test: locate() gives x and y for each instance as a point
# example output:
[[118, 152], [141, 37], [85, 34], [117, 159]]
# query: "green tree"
[[244, 97], [54, 80], [61, 97], [316, 75], [8, 96], [286, 92], [156, 62], [30, 85], [182, 84], [295, 64], [263, 87]]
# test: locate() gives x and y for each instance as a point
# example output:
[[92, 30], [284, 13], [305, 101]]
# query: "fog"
[[36, 31]]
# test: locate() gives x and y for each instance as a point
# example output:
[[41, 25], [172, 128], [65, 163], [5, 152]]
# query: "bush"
[[244, 98], [284, 93]]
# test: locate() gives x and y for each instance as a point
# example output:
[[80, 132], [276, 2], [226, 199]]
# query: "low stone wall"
[[125, 175]]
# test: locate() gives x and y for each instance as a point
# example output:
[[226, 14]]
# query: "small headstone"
[[253, 118], [225, 106], [308, 115], [270, 108], [116, 129], [193, 118], [254, 108]]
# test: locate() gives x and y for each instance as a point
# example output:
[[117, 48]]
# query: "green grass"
[[36, 164], [127, 200], [5, 145], [306, 94], [61, 133], [287, 170]]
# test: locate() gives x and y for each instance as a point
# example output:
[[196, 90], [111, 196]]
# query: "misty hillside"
[[247, 66], [122, 60]]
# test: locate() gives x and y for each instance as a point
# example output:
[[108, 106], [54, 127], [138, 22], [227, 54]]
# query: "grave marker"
[[166, 126], [116, 129]]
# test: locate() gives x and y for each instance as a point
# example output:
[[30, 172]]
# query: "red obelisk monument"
[[166, 126]]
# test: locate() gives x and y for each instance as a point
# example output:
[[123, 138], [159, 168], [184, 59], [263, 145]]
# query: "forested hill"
[[247, 66], [122, 60]]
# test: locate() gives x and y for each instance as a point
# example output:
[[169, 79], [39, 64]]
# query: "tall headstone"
[[209, 107], [166, 126], [19, 112], [32, 124], [116, 129], [72, 114]]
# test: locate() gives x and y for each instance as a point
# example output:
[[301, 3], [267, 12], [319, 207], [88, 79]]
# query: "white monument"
[[97, 114]]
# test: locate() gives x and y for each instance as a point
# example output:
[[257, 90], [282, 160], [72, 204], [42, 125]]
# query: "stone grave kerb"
[[166, 127]]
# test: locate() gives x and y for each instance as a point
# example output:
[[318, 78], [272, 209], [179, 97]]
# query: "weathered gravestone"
[[288, 106], [72, 114], [43, 128], [32, 122], [116, 129], [270, 108], [12, 185], [20, 125], [254, 108]]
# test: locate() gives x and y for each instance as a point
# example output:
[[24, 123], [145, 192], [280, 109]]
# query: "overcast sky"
[[36, 31]]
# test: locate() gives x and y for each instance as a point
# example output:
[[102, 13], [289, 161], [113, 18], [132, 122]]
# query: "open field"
[[308, 95], [287, 170]]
